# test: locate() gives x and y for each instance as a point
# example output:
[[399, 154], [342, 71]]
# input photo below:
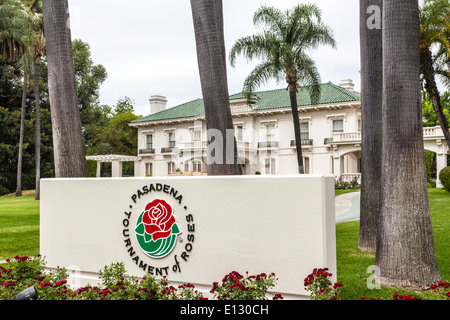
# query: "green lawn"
[[19, 226], [19, 235], [352, 263]]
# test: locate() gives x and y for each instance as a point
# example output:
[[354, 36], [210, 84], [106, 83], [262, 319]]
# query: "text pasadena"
[[157, 187]]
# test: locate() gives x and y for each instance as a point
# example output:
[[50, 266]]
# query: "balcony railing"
[[347, 136], [146, 151], [167, 150], [268, 144], [305, 142], [429, 133], [204, 144], [241, 108], [194, 145], [343, 137]]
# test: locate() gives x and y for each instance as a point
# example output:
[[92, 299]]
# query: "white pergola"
[[116, 162]]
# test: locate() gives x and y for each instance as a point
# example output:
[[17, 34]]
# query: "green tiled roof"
[[266, 100]]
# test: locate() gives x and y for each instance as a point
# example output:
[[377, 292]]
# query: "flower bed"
[[321, 288], [26, 272]]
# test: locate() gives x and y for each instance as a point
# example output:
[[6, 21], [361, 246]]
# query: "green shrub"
[[3, 190], [444, 176]]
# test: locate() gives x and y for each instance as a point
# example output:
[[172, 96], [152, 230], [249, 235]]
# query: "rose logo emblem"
[[157, 229]]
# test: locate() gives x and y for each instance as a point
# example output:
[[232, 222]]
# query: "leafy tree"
[[283, 47], [124, 105], [434, 30], [116, 136], [89, 78], [429, 113]]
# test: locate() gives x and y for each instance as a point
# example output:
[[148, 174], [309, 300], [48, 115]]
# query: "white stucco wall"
[[280, 224]]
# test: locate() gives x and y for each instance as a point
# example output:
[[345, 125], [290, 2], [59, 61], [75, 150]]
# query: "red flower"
[[158, 219]]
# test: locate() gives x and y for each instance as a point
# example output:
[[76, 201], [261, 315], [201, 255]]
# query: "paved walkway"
[[347, 207]]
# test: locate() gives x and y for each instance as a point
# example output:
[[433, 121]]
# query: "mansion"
[[172, 141]]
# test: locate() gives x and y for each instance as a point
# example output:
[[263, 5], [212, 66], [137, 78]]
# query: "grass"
[[352, 263], [19, 226], [19, 235]]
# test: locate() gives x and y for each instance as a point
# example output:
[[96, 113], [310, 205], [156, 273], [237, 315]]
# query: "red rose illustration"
[[158, 219]]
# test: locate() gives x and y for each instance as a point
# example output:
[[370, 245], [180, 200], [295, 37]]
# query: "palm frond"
[[260, 75], [257, 46], [272, 18]]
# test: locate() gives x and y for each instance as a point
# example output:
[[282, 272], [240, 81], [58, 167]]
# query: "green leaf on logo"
[[175, 229], [140, 229], [147, 237]]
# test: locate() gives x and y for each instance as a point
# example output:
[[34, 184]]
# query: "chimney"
[[157, 104], [347, 84]]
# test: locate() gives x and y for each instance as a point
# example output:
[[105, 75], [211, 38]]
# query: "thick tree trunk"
[[21, 134], [405, 251], [222, 156], [68, 145], [371, 101], [37, 127], [297, 131], [428, 72]]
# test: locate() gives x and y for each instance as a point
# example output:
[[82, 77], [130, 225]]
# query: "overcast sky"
[[148, 46]]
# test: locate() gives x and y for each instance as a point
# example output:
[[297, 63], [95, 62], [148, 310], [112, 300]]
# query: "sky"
[[148, 46]]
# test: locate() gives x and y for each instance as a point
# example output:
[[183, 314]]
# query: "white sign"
[[192, 229]]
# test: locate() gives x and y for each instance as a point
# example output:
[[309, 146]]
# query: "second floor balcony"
[[168, 150], [268, 145], [305, 143], [148, 151], [429, 133], [202, 145]]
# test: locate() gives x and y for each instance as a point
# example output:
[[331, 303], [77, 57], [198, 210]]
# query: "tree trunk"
[[37, 127], [222, 158], [428, 72], [22, 132], [297, 132], [405, 252], [371, 101], [68, 145]]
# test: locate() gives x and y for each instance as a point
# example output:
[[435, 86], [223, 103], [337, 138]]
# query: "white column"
[[116, 169], [337, 162], [441, 163], [99, 167], [136, 168]]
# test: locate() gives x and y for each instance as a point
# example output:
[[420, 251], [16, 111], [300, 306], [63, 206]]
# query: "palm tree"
[[209, 35], [11, 47], [69, 153], [442, 65], [434, 30], [282, 47], [15, 43], [371, 100], [34, 9], [405, 253]]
